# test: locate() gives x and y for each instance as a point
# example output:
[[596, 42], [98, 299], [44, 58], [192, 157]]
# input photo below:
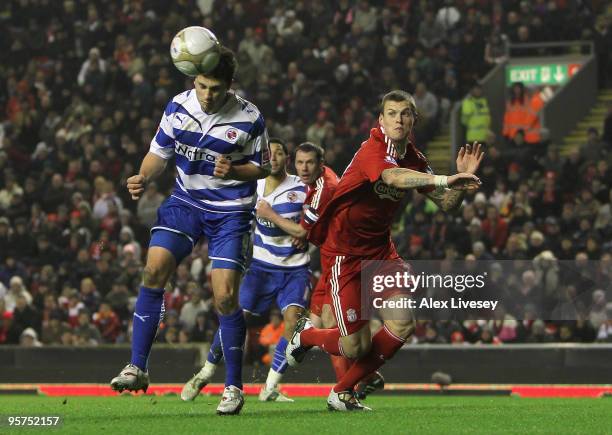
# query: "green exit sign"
[[551, 74]]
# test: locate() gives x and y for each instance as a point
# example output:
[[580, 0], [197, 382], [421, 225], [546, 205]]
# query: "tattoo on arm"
[[407, 178], [448, 199]]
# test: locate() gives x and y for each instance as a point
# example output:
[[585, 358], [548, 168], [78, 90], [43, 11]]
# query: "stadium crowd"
[[83, 85]]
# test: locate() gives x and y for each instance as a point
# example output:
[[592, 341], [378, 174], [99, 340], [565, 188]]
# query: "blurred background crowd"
[[83, 85]]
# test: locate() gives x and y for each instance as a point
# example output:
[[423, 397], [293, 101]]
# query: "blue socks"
[[215, 353], [148, 313], [232, 331], [279, 363]]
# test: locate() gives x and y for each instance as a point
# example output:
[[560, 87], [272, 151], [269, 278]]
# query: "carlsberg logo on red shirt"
[[384, 191]]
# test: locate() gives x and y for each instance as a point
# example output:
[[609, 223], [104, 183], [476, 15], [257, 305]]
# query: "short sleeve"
[[162, 144], [257, 148], [374, 160]]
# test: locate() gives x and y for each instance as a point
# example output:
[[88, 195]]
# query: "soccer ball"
[[195, 50]]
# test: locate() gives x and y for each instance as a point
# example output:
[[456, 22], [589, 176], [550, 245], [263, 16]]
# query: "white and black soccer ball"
[[195, 50]]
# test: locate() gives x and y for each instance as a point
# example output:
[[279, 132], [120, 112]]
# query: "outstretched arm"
[[468, 161], [402, 178]]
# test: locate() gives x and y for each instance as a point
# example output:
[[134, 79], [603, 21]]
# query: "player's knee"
[[328, 318], [291, 316], [225, 303], [154, 276], [402, 328], [354, 347]]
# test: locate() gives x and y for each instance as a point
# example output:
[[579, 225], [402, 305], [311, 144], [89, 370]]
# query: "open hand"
[[463, 181], [469, 158]]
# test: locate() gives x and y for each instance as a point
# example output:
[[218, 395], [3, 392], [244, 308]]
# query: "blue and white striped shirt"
[[196, 139], [272, 246]]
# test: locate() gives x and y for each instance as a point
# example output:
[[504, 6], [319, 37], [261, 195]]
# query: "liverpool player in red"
[[355, 226], [321, 181]]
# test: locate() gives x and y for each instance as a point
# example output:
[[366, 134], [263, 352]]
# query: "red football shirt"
[[357, 221], [318, 196]]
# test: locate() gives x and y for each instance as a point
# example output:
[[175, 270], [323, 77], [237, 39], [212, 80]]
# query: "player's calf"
[[357, 344]]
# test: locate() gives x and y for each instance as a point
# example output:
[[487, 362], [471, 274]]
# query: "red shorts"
[[345, 289], [320, 295]]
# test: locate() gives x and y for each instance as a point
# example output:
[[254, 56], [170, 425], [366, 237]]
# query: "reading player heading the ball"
[[278, 271], [356, 226], [220, 144]]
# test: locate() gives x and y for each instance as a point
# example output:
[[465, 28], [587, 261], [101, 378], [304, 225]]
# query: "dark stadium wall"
[[517, 364]]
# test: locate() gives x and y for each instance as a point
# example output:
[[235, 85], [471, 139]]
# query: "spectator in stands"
[[427, 108], [107, 323], [431, 31], [204, 328], [56, 327], [94, 63], [191, 309], [29, 338], [148, 205], [16, 290], [475, 116], [56, 139], [448, 16], [25, 315], [85, 332], [516, 111], [496, 48], [594, 149], [598, 315]]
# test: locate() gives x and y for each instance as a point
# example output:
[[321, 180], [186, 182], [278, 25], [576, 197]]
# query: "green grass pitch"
[[391, 415]]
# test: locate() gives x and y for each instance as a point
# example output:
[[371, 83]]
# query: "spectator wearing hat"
[[16, 290], [29, 338], [598, 313]]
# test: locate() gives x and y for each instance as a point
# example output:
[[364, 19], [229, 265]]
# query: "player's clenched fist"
[[136, 185], [223, 168]]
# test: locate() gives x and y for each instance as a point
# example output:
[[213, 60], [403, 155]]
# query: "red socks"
[[341, 365], [384, 345], [326, 339]]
